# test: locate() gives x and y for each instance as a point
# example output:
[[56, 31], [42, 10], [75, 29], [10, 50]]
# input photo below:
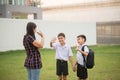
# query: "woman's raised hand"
[[40, 34]]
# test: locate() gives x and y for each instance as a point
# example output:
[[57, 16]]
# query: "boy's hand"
[[77, 48], [74, 68], [53, 40]]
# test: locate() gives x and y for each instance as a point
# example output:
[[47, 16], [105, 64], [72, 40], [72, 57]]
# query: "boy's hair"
[[61, 34], [82, 36]]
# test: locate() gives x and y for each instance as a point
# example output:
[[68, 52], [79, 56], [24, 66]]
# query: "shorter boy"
[[63, 53], [81, 68]]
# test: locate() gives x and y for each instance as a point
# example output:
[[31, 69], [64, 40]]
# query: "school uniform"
[[62, 55], [81, 68]]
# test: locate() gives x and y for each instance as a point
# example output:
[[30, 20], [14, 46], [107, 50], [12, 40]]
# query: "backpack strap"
[[84, 60]]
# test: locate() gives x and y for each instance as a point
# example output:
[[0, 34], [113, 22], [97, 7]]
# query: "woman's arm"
[[40, 43]]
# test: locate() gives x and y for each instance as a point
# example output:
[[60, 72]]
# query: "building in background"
[[20, 9], [106, 14]]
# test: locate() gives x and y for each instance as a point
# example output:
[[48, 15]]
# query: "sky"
[[47, 3]]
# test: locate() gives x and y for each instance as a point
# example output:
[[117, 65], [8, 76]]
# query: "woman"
[[33, 62]]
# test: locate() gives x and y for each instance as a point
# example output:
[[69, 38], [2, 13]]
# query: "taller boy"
[[63, 54]]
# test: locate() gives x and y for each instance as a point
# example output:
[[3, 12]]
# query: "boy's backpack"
[[89, 61]]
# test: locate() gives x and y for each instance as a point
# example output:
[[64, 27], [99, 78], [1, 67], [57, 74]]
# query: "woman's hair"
[[30, 29]]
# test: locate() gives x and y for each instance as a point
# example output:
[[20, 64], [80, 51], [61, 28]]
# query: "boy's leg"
[[60, 77], [62, 67], [59, 70], [64, 77], [78, 78], [81, 72], [81, 79], [65, 70]]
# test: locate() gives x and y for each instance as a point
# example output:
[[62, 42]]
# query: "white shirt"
[[62, 52], [79, 56]]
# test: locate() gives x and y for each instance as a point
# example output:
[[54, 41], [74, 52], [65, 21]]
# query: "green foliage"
[[107, 65]]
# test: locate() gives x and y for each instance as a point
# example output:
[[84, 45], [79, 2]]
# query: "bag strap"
[[84, 61]]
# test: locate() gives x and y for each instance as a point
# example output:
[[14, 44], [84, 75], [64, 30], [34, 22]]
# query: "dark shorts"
[[82, 72], [61, 68]]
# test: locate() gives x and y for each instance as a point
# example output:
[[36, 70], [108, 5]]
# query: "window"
[[108, 33], [10, 1], [0, 1], [0, 15]]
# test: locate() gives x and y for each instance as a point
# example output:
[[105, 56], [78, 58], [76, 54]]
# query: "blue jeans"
[[33, 74]]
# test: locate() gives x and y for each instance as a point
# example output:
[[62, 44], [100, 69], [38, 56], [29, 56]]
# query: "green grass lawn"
[[107, 64]]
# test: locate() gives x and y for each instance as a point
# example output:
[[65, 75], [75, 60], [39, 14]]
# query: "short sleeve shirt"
[[62, 52], [79, 56], [33, 59]]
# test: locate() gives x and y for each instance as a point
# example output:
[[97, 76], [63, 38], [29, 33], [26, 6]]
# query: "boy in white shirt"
[[63, 54], [81, 68]]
